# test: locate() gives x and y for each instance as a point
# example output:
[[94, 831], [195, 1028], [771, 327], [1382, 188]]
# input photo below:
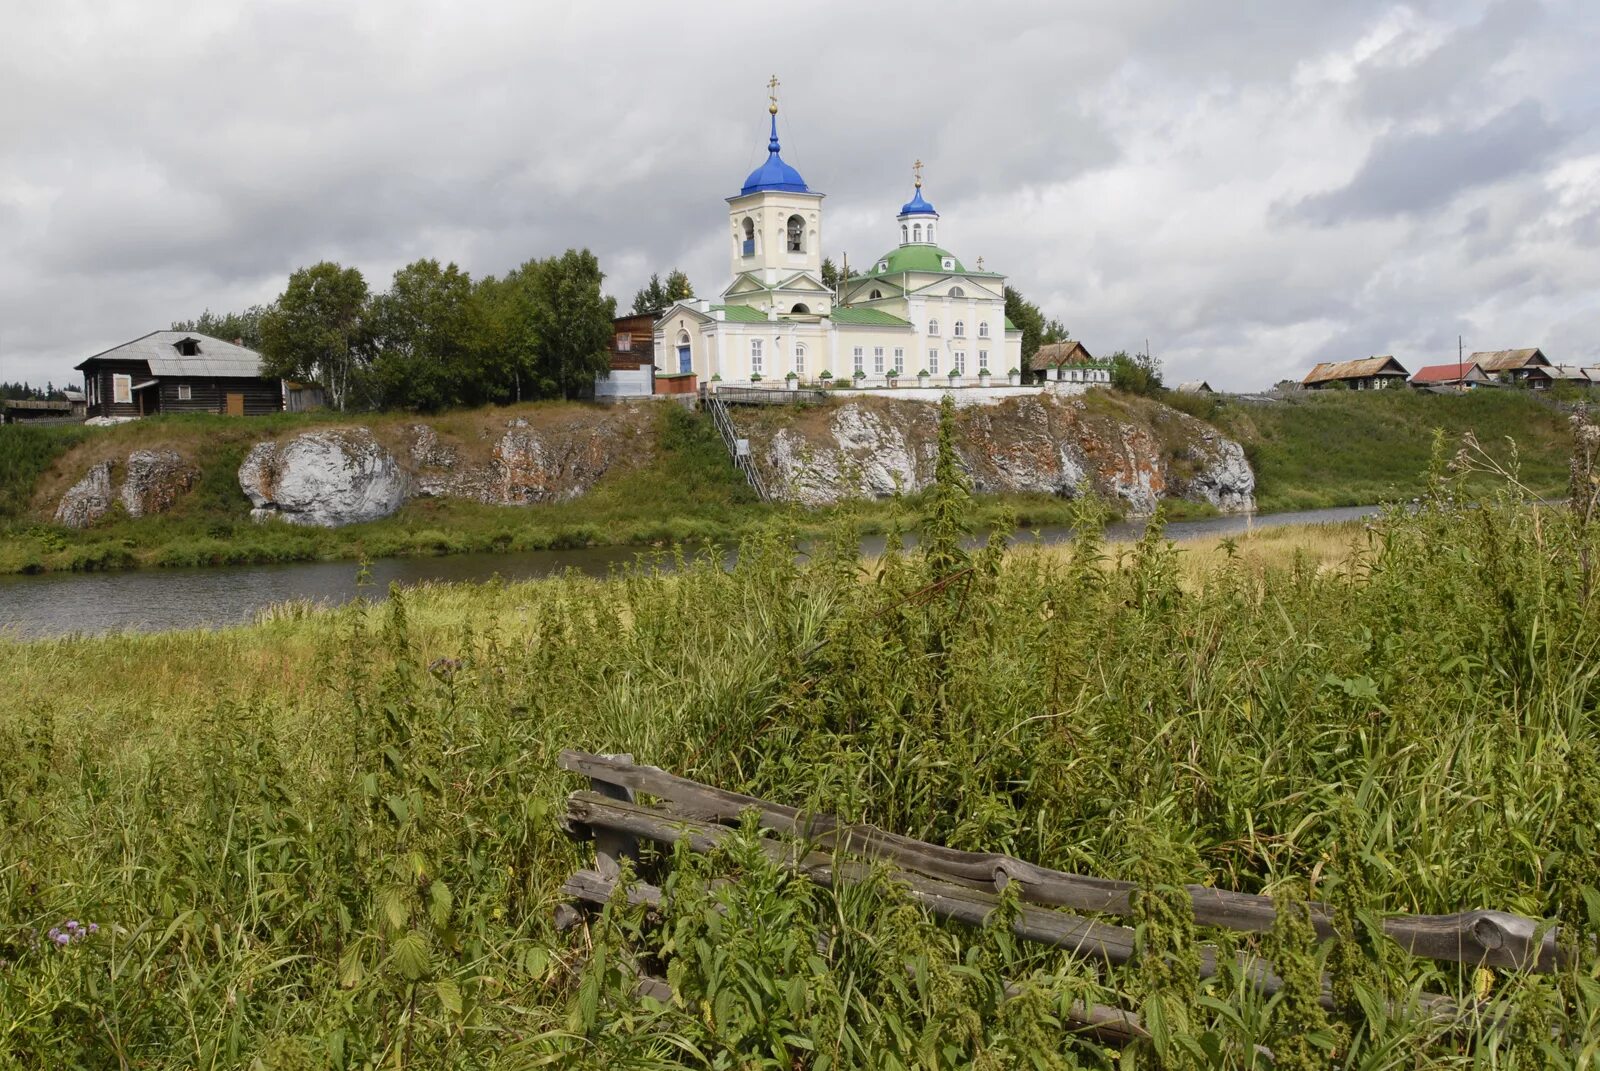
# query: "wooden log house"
[[178, 372]]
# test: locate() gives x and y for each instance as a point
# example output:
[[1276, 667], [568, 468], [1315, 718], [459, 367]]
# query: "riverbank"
[[1308, 451], [314, 835]]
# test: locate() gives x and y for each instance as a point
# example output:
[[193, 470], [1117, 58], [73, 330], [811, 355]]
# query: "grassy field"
[[332, 840], [1344, 448]]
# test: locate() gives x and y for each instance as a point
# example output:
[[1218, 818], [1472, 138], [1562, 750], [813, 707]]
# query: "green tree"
[[1137, 373], [243, 327], [830, 274], [1026, 315], [1054, 331], [572, 320], [506, 340], [656, 297], [311, 332], [421, 336]]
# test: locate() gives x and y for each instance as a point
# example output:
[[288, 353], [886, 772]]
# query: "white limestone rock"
[[325, 478], [153, 480], [87, 500], [1222, 475]]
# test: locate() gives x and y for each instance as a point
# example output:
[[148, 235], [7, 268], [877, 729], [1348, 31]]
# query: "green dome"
[[929, 258]]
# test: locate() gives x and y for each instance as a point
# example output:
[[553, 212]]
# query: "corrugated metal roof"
[[159, 349], [1570, 372], [1444, 373], [1194, 386], [743, 314], [1368, 366], [1055, 354], [1506, 360]]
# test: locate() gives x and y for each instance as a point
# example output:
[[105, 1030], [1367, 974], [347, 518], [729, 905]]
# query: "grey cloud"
[[1414, 172]]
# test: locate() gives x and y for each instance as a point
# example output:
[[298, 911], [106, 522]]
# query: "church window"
[[683, 338], [877, 360], [956, 291], [933, 362], [933, 327], [905, 234], [949, 264], [983, 329], [875, 295], [802, 308], [749, 237], [800, 359], [883, 265], [899, 359], [797, 234], [930, 232], [916, 232], [860, 362], [755, 357], [983, 359], [961, 329], [958, 362]]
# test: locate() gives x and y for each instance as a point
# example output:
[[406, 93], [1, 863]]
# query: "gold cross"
[[916, 169], [772, 92]]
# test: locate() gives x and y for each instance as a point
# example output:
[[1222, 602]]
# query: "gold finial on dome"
[[772, 95], [916, 169]]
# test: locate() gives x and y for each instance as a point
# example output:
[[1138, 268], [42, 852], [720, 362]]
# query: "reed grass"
[[331, 838]]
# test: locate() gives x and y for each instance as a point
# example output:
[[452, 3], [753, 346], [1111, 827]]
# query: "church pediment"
[[804, 281], [941, 286], [745, 283]]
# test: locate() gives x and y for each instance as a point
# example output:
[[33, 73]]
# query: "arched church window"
[[933, 327], [930, 232], [905, 233], [749, 236], [875, 295], [961, 329], [956, 291], [983, 329], [683, 338], [797, 234], [916, 231], [801, 308]]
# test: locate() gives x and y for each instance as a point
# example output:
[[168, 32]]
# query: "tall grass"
[[333, 839]]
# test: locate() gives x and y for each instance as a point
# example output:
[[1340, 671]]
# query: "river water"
[[150, 600]]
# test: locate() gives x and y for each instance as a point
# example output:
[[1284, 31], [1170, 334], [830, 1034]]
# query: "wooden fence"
[[965, 886]]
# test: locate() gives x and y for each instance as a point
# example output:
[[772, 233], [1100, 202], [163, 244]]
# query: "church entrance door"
[[685, 363]]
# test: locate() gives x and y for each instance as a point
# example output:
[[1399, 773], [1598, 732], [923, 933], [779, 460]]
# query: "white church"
[[916, 309]]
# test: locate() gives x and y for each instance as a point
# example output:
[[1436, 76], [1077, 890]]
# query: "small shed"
[[32, 411], [1194, 386], [1370, 373], [178, 372], [1457, 375], [633, 372]]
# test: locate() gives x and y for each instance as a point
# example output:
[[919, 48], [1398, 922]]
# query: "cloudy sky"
[[1252, 186]]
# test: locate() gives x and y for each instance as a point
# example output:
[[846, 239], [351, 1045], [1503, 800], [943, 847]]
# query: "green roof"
[[915, 258], [873, 317], [1009, 325], [743, 314]]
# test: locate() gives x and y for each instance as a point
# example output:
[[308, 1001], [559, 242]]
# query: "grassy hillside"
[[333, 839], [1343, 448]]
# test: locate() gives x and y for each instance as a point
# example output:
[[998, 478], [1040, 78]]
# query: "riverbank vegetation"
[[1315, 449], [333, 838], [1308, 451]]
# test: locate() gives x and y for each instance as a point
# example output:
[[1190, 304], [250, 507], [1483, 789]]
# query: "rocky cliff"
[[1130, 450]]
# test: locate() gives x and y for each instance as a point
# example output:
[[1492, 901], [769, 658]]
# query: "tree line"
[[26, 392], [436, 338]]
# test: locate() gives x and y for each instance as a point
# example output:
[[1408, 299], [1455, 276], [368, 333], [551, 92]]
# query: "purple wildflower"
[[63, 938]]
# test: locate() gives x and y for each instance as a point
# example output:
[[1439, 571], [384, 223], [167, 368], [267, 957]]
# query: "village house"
[[1573, 375], [1515, 366], [633, 372], [1371, 373], [1068, 361], [179, 372], [1458, 375], [1194, 386]]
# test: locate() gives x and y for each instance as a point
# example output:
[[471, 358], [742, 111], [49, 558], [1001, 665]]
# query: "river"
[[152, 600]]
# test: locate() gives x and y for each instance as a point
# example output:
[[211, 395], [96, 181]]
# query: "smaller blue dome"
[[774, 174], [917, 206]]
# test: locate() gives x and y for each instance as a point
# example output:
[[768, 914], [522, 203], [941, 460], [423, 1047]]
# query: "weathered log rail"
[[965, 886]]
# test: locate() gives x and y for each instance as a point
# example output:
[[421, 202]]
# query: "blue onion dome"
[[917, 206], [774, 174]]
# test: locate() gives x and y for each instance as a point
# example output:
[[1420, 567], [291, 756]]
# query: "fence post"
[[610, 847]]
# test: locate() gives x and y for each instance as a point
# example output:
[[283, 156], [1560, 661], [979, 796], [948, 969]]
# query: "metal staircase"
[[738, 448]]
